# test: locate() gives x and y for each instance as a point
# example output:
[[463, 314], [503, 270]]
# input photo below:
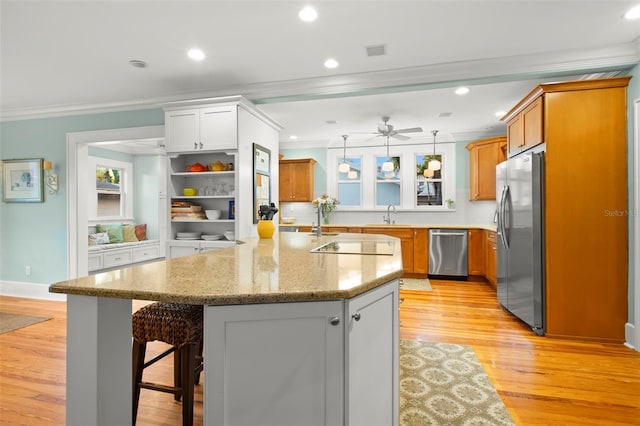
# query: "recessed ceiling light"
[[462, 90], [293, 137], [196, 54], [331, 63], [308, 14], [331, 121], [500, 113], [633, 13]]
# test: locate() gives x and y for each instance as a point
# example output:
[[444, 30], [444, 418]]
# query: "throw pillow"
[[98, 238], [141, 232], [114, 231], [129, 233]]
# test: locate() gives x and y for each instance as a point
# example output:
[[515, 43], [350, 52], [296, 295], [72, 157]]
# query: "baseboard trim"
[[29, 291], [632, 340]]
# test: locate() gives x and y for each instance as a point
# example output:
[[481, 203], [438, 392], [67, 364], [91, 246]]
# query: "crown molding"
[[615, 57]]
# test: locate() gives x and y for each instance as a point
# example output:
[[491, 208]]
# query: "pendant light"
[[428, 173], [388, 166], [344, 167], [434, 164], [352, 174]]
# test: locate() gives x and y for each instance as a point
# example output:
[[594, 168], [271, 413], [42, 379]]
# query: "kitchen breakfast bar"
[[298, 329]]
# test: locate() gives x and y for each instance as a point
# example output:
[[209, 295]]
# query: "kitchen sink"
[[357, 247]]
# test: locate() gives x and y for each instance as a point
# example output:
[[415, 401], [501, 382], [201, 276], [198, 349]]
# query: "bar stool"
[[180, 326]]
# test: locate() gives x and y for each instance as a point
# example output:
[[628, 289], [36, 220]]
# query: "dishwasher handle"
[[449, 234]]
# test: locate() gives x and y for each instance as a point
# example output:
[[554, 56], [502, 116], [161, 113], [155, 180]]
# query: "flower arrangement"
[[326, 204]]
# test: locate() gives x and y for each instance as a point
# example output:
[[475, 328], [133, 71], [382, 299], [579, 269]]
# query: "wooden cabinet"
[[406, 240], [201, 129], [586, 273], [525, 129], [420, 252], [296, 180], [484, 155], [475, 250], [490, 257], [330, 362]]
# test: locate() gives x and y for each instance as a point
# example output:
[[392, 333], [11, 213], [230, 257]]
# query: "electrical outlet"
[[27, 270]]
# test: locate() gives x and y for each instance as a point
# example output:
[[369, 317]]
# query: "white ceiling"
[[61, 58]]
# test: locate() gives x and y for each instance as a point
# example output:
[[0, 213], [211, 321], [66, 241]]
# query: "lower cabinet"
[[114, 257], [406, 239], [475, 251], [312, 363], [491, 258], [187, 248]]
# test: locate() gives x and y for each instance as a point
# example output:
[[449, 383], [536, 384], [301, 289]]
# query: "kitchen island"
[[291, 336]]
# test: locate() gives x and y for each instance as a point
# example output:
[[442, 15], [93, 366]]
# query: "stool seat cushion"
[[174, 323]]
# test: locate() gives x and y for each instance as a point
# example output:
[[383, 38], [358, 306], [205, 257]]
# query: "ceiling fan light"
[[428, 173], [387, 166], [389, 175], [434, 165], [344, 168], [352, 174]]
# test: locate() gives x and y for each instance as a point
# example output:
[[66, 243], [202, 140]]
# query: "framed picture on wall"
[[261, 179], [22, 181]]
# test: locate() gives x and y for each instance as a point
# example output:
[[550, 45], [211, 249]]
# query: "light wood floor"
[[541, 380]]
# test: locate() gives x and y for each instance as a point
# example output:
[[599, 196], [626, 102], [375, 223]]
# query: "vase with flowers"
[[325, 205]]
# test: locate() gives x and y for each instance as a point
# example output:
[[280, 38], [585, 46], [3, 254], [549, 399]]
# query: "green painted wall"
[[35, 234]]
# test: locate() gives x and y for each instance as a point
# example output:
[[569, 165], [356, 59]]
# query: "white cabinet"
[[215, 191], [372, 358], [105, 257], [201, 129], [275, 364], [186, 248]]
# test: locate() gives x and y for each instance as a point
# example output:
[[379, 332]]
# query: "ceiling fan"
[[386, 130]]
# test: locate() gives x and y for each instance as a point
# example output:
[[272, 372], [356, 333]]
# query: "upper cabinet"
[[201, 129], [296, 180], [525, 129], [484, 155]]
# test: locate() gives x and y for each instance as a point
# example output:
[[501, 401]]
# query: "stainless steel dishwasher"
[[448, 253]]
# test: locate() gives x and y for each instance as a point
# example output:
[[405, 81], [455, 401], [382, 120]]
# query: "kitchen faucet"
[[319, 227], [387, 218]]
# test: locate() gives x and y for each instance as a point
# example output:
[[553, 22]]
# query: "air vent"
[[378, 50], [331, 121], [444, 114]]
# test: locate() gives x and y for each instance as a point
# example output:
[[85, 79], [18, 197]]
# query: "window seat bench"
[[107, 256]]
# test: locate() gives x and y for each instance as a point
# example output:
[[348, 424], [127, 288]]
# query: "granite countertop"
[[487, 227], [281, 269]]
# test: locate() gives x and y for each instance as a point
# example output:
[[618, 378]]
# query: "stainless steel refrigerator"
[[520, 238]]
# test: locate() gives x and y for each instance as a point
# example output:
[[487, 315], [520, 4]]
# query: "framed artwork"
[[22, 181], [261, 179]]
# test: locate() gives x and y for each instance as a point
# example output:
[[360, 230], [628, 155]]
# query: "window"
[[404, 187], [349, 183], [388, 183], [111, 190], [428, 182]]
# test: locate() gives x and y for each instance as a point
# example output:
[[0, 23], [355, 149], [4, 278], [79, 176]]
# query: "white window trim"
[[407, 155], [126, 185]]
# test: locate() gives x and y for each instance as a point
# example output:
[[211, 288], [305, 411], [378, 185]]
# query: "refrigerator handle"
[[502, 217]]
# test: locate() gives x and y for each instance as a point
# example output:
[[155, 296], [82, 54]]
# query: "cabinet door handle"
[[195, 145], [200, 145], [334, 320], [356, 316]]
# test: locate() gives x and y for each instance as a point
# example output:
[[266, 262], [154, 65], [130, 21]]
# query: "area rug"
[[415, 284], [445, 384], [10, 322]]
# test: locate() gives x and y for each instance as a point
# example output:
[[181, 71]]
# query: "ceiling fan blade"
[[409, 130], [401, 137]]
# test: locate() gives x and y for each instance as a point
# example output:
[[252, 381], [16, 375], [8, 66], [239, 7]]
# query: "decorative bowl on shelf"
[[213, 214], [189, 192], [288, 220], [230, 235]]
